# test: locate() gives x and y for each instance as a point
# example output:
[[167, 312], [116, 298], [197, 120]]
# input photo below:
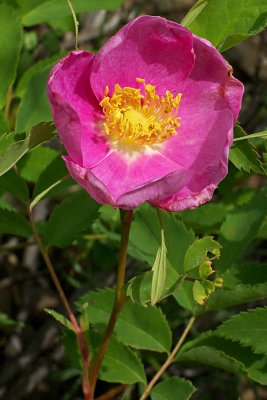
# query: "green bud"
[[218, 282], [205, 269], [209, 287]]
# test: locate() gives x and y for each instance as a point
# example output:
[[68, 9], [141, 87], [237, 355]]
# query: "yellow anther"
[[140, 119]]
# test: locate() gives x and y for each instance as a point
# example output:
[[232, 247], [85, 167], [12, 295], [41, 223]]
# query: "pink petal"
[[132, 180], [178, 203], [148, 47], [75, 109], [89, 182], [211, 80], [208, 167]]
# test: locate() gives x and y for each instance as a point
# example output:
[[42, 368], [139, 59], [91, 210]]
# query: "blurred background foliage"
[[84, 238]]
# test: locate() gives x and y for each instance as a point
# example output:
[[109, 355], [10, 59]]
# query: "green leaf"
[[202, 351], [205, 218], [34, 106], [194, 12], [229, 21], [3, 124], [159, 272], [139, 287], [199, 292], [60, 318], [70, 218], [225, 354], [50, 10], [250, 273], [11, 41], [139, 327], [243, 154], [44, 193], [258, 135], [145, 237], [33, 163], [173, 388], [14, 224], [11, 182], [248, 328], [198, 250], [224, 298], [36, 69], [121, 364], [6, 322], [54, 171], [38, 134], [240, 229], [211, 357], [184, 296]]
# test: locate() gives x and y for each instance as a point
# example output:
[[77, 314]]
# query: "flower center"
[[131, 117]]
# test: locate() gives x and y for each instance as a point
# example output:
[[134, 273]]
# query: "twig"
[[77, 328], [112, 392], [169, 359], [126, 219], [76, 23]]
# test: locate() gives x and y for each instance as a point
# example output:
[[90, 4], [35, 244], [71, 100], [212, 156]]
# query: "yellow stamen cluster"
[[131, 117]]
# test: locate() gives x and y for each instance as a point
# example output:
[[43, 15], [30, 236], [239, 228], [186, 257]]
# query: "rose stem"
[[169, 359], [76, 326], [126, 219]]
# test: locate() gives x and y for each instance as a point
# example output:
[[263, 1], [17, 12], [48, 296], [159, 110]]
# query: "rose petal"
[[75, 109], [148, 47], [208, 168]]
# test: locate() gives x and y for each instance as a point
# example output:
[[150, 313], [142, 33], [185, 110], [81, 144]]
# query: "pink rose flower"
[[148, 118]]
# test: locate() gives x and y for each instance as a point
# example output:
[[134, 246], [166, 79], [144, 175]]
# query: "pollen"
[[143, 119]]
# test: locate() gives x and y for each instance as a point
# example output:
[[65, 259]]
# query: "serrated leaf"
[[205, 218], [139, 327], [184, 296], [198, 250], [38, 134], [139, 287], [14, 224], [229, 21], [60, 318], [41, 195], [36, 69], [12, 183], [206, 355], [240, 229], [224, 298], [248, 328], [258, 135], [11, 41], [249, 273], [50, 10], [145, 237], [121, 364], [173, 388], [54, 171], [33, 163], [243, 154], [70, 218], [34, 106], [159, 272], [225, 354]]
